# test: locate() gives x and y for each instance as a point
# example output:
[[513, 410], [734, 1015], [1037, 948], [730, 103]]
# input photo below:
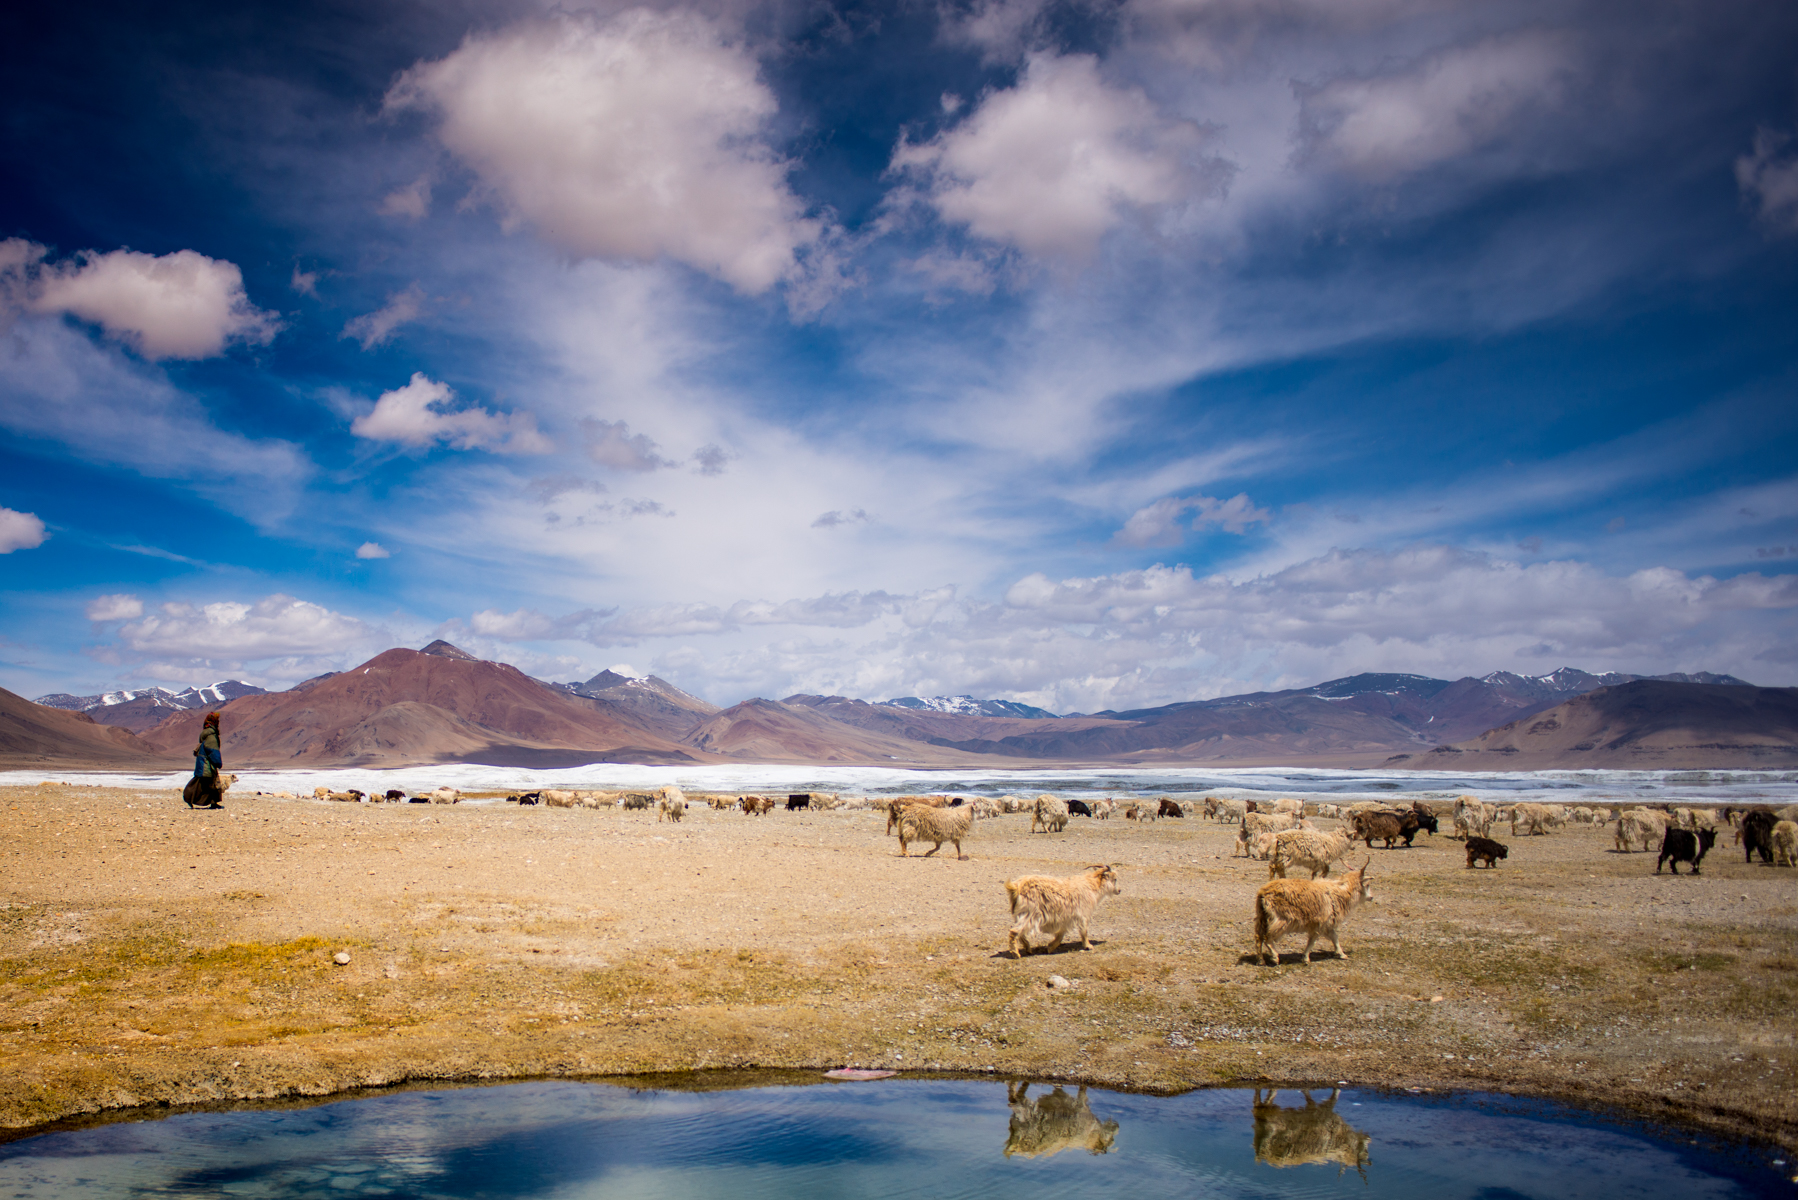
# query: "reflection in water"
[[1293, 1137], [1053, 1123]]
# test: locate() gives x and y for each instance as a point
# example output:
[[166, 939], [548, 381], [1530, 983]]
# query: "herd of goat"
[[1049, 910]]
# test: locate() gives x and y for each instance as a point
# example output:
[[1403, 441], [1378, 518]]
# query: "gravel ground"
[[151, 955]]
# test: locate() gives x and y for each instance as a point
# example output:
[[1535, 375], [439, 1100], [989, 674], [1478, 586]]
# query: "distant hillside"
[[967, 706], [35, 736], [1642, 725], [440, 704], [145, 708], [657, 703]]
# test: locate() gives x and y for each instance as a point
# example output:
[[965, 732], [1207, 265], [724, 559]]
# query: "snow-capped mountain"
[[138, 709], [967, 706]]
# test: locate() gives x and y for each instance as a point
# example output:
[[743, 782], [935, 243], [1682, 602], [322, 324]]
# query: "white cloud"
[[413, 200], [180, 305], [1451, 103], [375, 328], [416, 415], [304, 282], [1054, 163], [373, 550], [612, 444], [20, 531], [1769, 177], [116, 607], [631, 137], [835, 517], [1163, 522], [275, 625]]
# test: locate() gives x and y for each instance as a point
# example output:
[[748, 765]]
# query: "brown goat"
[[928, 823], [1046, 907], [1316, 906]]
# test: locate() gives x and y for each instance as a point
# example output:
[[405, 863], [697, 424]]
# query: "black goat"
[[1682, 845], [1757, 834], [1079, 808], [1486, 848], [798, 801]]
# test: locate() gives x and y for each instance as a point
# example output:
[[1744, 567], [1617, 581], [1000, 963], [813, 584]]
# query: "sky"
[[1094, 355]]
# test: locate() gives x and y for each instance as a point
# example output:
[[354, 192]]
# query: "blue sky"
[[1086, 354]]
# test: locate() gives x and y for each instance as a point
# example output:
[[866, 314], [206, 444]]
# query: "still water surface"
[[894, 1138]]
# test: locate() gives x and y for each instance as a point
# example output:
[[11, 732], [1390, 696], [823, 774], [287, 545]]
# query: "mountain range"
[[146, 708], [442, 704]]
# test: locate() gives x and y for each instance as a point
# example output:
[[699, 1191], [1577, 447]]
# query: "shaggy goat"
[[922, 823], [1046, 907], [1051, 812], [1486, 848], [1316, 907], [1785, 844], [1639, 825], [1307, 848], [1682, 845]]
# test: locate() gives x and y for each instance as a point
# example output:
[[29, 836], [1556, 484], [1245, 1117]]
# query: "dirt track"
[[149, 954]]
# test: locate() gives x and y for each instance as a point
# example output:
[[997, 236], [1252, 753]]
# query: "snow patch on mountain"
[[968, 706]]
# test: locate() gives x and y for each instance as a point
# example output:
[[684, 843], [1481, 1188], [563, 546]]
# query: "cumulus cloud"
[[710, 460], [632, 137], [612, 444], [1768, 178], [115, 607], [376, 328], [1163, 523], [180, 305], [20, 531], [413, 200], [275, 625], [418, 415], [1054, 163], [1453, 102], [373, 550]]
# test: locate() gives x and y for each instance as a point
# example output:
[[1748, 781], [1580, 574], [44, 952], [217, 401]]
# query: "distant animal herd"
[[1047, 911]]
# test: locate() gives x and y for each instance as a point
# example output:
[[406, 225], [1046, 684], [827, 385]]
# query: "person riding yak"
[[203, 789]]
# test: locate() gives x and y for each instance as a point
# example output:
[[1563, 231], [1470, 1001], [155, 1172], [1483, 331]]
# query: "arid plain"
[[152, 955]]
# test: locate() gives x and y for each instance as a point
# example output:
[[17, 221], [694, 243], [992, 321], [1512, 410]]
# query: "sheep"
[[1050, 812], [1682, 845], [1472, 817], [635, 801], [1486, 848], [446, 795], [755, 806], [1332, 811], [1262, 847], [1639, 825], [1367, 806], [1294, 807], [922, 823], [1307, 848], [1232, 811], [1318, 907], [1046, 907], [1103, 809], [1788, 813], [597, 799], [670, 803], [985, 808], [1700, 818], [558, 798], [320, 792], [1785, 844], [1013, 804], [394, 795], [1255, 824]]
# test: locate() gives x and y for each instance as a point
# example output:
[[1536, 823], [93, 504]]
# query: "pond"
[[896, 1137]]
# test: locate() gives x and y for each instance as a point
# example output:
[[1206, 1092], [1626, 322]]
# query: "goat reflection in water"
[[1053, 1123], [1293, 1137]]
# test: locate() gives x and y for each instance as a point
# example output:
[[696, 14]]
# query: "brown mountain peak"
[[443, 649]]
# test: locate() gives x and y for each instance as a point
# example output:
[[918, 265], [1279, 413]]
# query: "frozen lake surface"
[[1778, 788], [890, 1138]]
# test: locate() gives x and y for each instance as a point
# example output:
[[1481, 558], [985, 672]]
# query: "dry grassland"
[[153, 955]]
